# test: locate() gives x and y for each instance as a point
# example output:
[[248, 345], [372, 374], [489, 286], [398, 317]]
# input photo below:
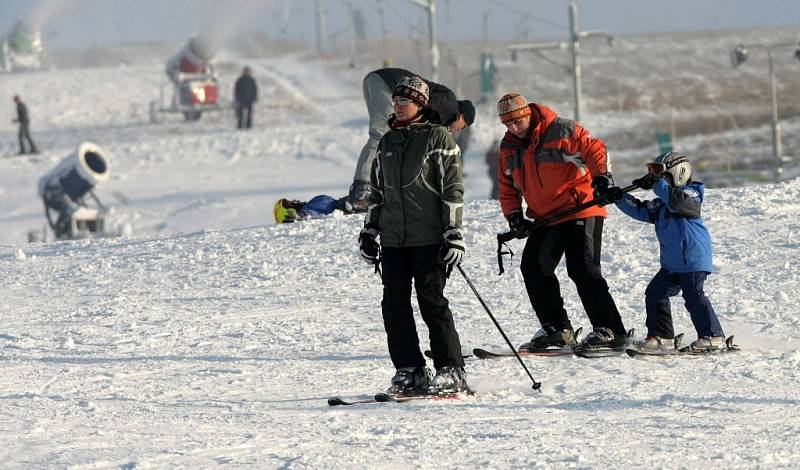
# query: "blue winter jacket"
[[684, 240]]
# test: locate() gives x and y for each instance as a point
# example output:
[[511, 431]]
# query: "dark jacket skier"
[[24, 134], [416, 209], [245, 93]]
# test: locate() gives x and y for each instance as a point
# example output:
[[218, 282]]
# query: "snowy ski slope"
[[212, 337]]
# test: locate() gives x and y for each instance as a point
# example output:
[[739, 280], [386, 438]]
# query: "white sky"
[[69, 23]]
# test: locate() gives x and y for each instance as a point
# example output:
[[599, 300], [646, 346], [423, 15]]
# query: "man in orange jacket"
[[555, 165]]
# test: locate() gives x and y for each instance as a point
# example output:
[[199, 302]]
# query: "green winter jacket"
[[417, 186]]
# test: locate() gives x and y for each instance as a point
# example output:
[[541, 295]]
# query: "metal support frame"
[[574, 46], [739, 55]]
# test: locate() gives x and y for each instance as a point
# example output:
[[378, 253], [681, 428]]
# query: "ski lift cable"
[[520, 12], [402, 17]]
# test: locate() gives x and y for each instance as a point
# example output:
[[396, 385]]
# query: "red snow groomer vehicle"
[[194, 82]]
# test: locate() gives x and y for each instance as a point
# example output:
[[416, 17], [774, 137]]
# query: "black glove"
[[647, 181], [612, 195], [454, 247], [600, 183], [519, 224], [368, 245]]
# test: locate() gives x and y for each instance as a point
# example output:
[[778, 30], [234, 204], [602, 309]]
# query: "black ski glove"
[[368, 245], [454, 247], [647, 181], [611, 195], [519, 224], [600, 183]]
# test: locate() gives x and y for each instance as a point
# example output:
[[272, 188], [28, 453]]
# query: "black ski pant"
[[423, 265], [580, 241], [244, 115], [25, 135], [659, 314]]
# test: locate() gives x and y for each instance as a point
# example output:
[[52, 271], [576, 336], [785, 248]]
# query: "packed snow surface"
[[212, 336]]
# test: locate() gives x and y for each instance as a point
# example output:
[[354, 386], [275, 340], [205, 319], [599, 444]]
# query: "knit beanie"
[[413, 88], [512, 106]]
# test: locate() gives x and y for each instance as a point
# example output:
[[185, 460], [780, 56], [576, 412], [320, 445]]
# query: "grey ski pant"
[[378, 98]]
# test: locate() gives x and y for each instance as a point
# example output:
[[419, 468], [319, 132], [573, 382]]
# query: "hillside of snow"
[[214, 337], [222, 347]]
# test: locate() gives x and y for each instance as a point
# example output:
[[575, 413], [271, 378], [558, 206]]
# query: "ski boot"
[[656, 343], [548, 337], [410, 380], [708, 344], [358, 194], [603, 338], [449, 380]]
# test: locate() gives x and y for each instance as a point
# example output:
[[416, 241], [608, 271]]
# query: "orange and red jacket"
[[552, 170]]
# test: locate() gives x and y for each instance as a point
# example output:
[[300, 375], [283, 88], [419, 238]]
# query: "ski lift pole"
[[503, 238], [536, 385]]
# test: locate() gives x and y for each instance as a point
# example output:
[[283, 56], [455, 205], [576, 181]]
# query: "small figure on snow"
[[378, 85], [554, 164], [416, 207], [24, 127], [492, 159], [293, 210], [245, 94], [685, 252]]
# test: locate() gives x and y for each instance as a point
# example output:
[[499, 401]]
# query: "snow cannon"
[[63, 190], [194, 58], [22, 48], [196, 88]]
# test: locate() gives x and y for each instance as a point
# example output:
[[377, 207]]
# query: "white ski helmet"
[[675, 164]]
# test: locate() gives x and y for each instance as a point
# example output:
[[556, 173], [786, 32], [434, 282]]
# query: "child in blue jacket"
[[685, 251]]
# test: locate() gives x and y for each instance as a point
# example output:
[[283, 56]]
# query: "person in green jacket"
[[416, 208]]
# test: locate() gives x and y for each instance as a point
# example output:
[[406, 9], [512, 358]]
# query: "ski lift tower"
[[739, 55], [574, 46], [430, 7]]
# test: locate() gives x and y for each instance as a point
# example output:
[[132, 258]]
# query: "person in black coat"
[[245, 93], [24, 127]]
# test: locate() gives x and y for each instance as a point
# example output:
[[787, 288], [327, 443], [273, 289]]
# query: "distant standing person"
[[24, 127], [492, 162], [246, 93]]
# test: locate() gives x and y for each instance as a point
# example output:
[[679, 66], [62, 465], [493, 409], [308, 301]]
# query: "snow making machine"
[[64, 189], [22, 48], [195, 88]]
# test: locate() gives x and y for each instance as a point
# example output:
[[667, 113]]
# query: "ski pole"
[[503, 238], [378, 260], [536, 385]]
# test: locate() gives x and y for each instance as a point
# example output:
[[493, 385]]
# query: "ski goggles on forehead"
[[400, 101], [656, 168]]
